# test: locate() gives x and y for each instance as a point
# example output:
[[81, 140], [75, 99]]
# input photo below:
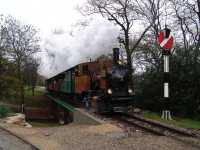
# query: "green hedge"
[[4, 111]]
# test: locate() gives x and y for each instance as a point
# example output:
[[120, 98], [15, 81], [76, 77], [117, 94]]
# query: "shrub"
[[9, 87], [4, 111]]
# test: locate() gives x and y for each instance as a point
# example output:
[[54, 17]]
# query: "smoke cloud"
[[63, 50]]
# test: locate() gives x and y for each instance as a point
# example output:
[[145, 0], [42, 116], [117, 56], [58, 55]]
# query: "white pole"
[[166, 70], [166, 63], [166, 114], [166, 90]]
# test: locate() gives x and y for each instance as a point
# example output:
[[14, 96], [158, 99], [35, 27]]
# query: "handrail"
[[61, 103]]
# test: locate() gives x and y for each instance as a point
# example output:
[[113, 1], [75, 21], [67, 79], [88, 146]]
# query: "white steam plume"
[[65, 50]]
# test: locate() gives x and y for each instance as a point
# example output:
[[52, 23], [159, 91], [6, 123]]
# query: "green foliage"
[[10, 86], [4, 111], [150, 91], [184, 85]]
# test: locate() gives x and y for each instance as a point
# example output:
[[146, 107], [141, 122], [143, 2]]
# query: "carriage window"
[[85, 69], [77, 71], [67, 76]]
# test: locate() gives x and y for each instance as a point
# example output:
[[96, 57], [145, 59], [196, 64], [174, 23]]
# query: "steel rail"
[[164, 126], [160, 129]]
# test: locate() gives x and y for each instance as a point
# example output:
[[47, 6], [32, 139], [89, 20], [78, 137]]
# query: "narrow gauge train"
[[101, 84]]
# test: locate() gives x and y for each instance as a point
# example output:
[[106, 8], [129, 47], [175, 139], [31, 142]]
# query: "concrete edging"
[[82, 117], [20, 137]]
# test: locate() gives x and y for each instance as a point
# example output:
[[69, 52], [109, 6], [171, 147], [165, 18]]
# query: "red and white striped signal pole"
[[165, 40]]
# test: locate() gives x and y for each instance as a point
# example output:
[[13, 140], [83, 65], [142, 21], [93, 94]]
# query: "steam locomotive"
[[101, 85]]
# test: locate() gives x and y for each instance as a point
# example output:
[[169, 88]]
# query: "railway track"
[[160, 129]]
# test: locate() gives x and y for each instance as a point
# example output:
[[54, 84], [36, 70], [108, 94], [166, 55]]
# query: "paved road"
[[10, 142]]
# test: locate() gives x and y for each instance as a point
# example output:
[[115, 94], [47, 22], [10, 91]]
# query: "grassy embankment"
[[28, 98], [37, 100], [177, 121], [38, 91]]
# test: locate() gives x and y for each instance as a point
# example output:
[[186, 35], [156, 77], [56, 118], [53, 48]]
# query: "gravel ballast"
[[90, 137]]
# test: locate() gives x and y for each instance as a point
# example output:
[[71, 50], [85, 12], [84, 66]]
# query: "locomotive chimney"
[[115, 56]]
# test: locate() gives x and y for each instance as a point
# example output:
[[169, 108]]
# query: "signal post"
[[165, 40]]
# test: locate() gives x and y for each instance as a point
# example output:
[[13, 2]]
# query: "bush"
[[9, 87], [4, 111]]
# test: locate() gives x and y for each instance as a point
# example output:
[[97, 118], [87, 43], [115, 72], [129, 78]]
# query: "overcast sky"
[[44, 14], [47, 15]]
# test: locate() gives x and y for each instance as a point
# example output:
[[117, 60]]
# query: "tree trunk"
[[22, 95], [129, 60], [130, 69], [21, 86], [33, 90]]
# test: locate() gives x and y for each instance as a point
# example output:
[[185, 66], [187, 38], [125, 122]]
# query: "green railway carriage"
[[63, 82], [68, 83]]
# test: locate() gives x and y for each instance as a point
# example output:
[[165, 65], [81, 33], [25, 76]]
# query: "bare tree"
[[188, 16], [187, 19], [183, 17], [2, 39], [126, 14], [21, 44], [2, 54], [149, 52]]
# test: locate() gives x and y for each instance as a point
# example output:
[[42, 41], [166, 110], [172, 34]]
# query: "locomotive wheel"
[[104, 108], [101, 107]]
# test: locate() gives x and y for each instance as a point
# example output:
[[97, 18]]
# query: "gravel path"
[[101, 137], [10, 142], [91, 138]]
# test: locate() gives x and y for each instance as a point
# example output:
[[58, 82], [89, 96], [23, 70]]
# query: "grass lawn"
[[177, 121], [37, 100], [38, 92]]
